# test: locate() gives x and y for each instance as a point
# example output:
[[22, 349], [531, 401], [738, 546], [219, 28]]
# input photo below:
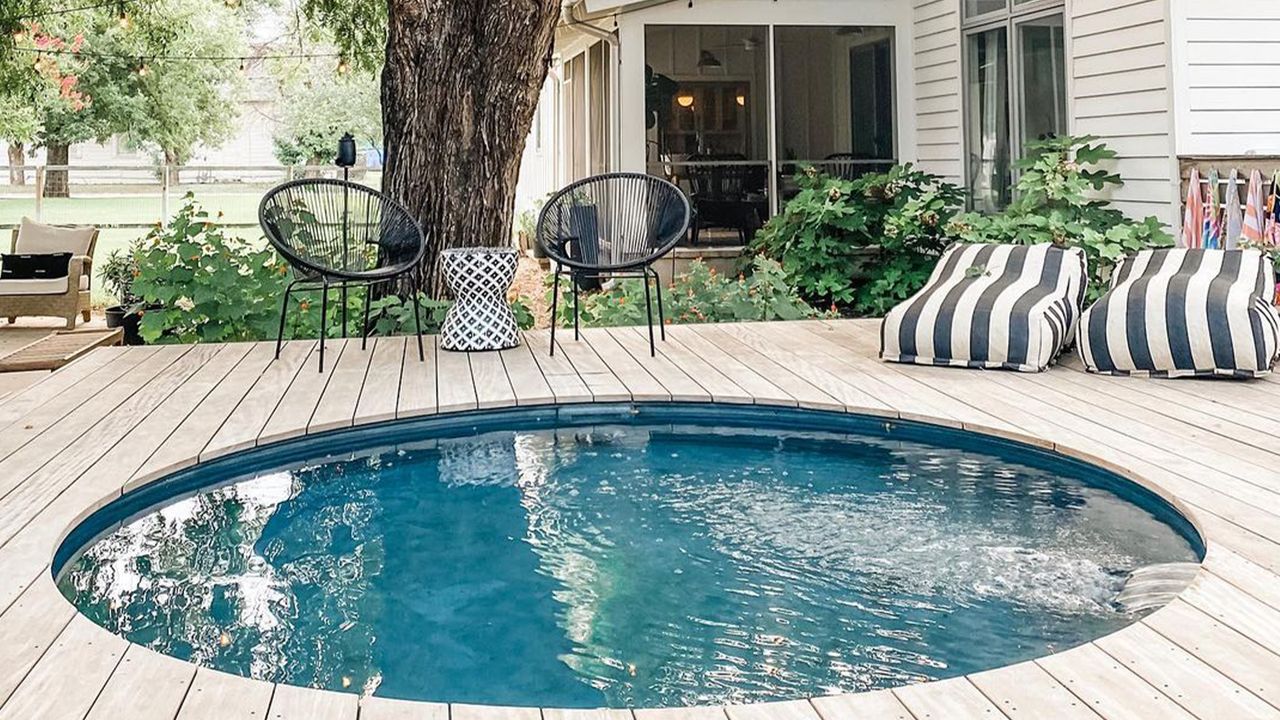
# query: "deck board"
[[1184, 678], [241, 428], [67, 678], [121, 417], [192, 436], [218, 696], [145, 686], [380, 393]]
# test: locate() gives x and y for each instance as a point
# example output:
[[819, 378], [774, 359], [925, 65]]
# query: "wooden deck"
[[121, 417]]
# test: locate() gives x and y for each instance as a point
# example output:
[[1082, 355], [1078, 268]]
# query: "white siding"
[[1120, 80], [936, 87], [1226, 54]]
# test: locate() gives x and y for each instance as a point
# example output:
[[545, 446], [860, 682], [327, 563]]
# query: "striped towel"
[[990, 306], [1193, 215], [1254, 209], [1177, 312]]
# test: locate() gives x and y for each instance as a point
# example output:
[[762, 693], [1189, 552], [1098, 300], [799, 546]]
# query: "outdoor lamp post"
[[346, 158], [346, 154]]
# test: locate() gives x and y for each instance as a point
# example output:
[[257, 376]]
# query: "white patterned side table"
[[480, 317]]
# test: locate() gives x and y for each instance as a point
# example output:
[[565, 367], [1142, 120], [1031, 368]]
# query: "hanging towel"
[[1270, 226], [1234, 221], [1254, 210], [1213, 213], [1193, 213]]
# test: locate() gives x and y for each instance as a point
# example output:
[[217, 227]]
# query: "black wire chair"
[[612, 226], [338, 234]]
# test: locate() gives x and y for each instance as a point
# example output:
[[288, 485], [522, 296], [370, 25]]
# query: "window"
[[1015, 89]]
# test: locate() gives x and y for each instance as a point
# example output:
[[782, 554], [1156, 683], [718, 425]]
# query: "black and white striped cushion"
[[990, 306], [1178, 312]]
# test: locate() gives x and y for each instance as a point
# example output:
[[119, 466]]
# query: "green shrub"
[[699, 296], [1056, 203], [199, 284], [860, 245]]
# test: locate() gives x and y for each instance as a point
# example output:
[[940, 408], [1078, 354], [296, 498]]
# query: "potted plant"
[[118, 273]]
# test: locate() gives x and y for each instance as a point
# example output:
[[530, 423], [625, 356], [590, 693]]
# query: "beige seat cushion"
[[50, 286], [38, 239]]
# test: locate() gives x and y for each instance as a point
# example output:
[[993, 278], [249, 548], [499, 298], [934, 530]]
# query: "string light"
[[143, 70], [344, 67], [343, 58], [65, 11], [124, 20]]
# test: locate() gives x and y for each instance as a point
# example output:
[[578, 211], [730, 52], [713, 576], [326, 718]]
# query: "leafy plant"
[[1057, 202], [699, 296], [206, 286], [864, 244], [201, 285], [119, 270]]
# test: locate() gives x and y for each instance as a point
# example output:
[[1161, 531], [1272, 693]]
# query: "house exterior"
[[725, 94]]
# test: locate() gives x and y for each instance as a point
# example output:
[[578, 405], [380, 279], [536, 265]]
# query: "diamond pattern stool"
[[480, 317]]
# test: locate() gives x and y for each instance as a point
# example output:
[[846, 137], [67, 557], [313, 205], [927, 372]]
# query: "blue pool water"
[[642, 558]]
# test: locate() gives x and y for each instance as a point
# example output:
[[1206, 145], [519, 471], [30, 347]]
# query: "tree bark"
[[174, 167], [459, 88], [55, 181], [17, 161]]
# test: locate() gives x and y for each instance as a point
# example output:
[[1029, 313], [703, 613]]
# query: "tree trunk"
[[17, 161], [459, 89], [173, 165], [55, 181]]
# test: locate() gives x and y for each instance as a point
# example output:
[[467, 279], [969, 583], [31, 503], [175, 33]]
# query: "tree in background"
[[19, 126], [317, 105], [45, 90], [92, 74], [173, 105], [460, 84]]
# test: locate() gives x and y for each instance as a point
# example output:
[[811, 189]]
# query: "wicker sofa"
[[52, 297]]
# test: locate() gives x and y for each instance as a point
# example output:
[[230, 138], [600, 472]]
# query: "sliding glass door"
[[733, 111]]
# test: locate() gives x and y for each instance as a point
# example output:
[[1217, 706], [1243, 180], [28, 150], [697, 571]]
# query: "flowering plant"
[[202, 285]]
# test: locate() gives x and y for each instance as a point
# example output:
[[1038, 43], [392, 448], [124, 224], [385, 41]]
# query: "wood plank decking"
[[120, 418]]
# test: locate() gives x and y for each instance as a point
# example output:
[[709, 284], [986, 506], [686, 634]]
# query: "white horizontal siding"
[[1228, 55], [936, 85], [1120, 58]]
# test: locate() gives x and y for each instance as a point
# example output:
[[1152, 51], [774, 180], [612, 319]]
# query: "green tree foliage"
[[171, 106], [318, 105], [90, 74]]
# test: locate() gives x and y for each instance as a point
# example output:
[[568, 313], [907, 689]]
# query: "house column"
[[630, 92]]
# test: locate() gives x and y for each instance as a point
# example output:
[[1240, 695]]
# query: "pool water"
[[629, 565]]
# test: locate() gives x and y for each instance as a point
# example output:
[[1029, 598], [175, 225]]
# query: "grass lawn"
[[137, 211]]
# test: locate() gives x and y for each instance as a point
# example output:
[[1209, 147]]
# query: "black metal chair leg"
[[344, 312], [574, 282], [662, 318], [284, 309], [324, 319], [364, 329], [555, 302], [648, 308], [417, 312]]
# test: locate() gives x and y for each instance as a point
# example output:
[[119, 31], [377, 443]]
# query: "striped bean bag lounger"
[[1011, 307], [1180, 312]]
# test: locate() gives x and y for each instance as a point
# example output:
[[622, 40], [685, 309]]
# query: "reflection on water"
[[624, 566]]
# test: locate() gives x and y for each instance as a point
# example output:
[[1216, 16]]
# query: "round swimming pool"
[[622, 556]]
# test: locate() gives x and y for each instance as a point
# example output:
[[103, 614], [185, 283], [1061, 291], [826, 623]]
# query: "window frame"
[[1010, 18]]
